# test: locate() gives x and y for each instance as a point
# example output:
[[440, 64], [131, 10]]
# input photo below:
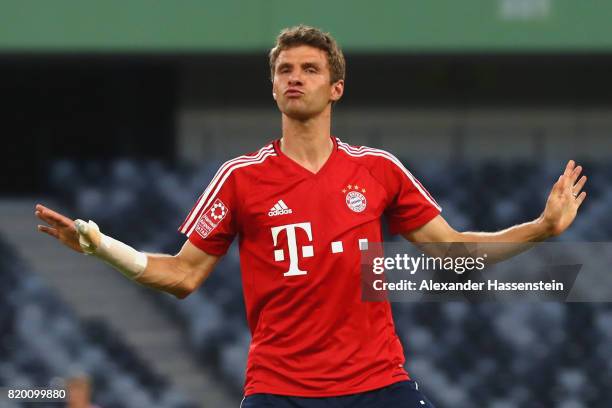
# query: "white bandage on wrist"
[[120, 256]]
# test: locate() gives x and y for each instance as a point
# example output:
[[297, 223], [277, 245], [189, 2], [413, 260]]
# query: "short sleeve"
[[210, 225], [410, 205]]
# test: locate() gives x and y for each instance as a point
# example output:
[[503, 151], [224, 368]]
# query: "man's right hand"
[[59, 226], [179, 275]]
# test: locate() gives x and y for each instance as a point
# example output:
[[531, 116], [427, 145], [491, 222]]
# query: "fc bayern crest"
[[356, 201]]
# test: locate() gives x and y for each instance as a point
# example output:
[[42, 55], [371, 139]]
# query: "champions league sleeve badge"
[[211, 218]]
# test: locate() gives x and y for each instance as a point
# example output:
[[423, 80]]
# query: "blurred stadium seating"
[[43, 343]]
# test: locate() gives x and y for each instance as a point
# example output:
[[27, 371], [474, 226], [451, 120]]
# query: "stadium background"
[[121, 112]]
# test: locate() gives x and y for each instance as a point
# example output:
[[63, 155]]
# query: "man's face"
[[301, 84]]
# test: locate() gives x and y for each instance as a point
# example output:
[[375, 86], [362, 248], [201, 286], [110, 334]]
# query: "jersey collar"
[[293, 164]]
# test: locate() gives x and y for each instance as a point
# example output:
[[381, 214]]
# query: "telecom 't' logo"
[[307, 250]]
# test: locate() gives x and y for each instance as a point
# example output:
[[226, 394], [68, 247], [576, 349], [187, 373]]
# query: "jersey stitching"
[[229, 172], [196, 211], [207, 197]]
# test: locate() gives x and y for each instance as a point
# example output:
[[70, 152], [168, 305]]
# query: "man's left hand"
[[564, 200]]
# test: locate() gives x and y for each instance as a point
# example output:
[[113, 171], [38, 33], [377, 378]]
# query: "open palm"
[[564, 200], [58, 226]]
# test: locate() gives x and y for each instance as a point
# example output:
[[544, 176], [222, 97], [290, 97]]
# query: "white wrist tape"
[[120, 256]]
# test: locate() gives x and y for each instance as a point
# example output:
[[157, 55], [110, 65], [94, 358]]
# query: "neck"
[[307, 142]]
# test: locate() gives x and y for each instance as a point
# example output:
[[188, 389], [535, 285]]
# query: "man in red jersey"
[[304, 207]]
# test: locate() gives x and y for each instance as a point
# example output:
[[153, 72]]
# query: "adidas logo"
[[280, 208]]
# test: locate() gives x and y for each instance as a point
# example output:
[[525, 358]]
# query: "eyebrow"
[[304, 65], [310, 65]]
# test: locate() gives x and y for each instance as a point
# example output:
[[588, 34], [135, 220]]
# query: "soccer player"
[[303, 207]]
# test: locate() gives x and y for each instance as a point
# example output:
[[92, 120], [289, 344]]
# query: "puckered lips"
[[293, 93]]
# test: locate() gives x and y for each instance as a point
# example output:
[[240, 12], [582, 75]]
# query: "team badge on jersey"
[[211, 218], [355, 198]]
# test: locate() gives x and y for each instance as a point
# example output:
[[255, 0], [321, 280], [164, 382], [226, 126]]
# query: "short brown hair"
[[306, 35]]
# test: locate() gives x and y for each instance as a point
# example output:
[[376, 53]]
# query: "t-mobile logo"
[[307, 250]]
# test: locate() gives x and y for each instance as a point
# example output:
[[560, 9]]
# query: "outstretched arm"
[[560, 211], [178, 275]]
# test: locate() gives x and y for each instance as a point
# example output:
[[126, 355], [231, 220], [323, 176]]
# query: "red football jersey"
[[300, 236]]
